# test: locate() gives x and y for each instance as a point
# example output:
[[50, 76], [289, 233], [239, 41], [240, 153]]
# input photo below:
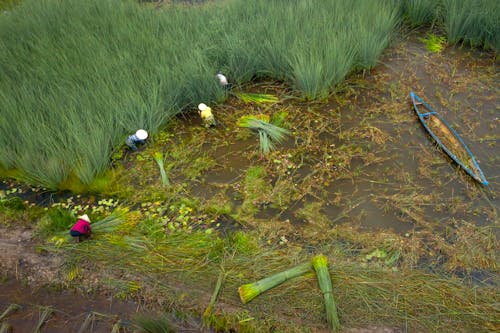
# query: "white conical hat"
[[84, 217], [222, 79], [141, 134], [202, 106]]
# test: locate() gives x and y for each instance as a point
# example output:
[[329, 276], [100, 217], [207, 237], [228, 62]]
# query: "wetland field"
[[197, 212]]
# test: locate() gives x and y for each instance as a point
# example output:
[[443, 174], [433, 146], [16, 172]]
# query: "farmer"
[[136, 139], [81, 228], [222, 80], [206, 115]]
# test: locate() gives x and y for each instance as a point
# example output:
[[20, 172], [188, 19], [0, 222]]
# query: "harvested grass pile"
[[366, 295]]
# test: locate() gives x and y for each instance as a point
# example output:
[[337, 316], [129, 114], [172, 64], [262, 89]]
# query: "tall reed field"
[[464, 21], [78, 76]]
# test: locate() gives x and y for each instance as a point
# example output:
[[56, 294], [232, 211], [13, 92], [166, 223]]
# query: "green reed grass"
[[102, 70], [420, 12], [473, 22], [465, 21], [78, 76]]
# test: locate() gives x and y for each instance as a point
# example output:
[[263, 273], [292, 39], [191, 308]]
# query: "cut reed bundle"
[[269, 134], [158, 157], [108, 224], [257, 98], [251, 290], [320, 264]]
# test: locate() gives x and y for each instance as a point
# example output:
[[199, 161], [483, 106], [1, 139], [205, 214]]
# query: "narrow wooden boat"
[[447, 138]]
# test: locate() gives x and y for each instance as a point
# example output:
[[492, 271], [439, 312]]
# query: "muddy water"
[[70, 309], [412, 184]]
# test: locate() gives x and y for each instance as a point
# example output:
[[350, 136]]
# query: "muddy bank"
[[70, 309]]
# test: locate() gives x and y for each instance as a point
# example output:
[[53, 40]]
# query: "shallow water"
[[70, 309]]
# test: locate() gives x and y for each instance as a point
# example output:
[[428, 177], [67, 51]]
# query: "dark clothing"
[[132, 142], [75, 233]]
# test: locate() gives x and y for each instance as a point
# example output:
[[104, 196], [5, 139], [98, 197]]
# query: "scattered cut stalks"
[[257, 98], [44, 316], [117, 326], [249, 291], [320, 264], [88, 323], [10, 309], [153, 325], [158, 157], [213, 299], [5, 328]]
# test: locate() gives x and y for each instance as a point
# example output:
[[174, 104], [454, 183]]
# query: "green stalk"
[[250, 291], [210, 307], [5, 328], [47, 312], [88, 321], [320, 264], [117, 326], [159, 160], [11, 309]]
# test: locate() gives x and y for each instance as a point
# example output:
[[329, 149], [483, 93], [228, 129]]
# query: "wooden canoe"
[[447, 138]]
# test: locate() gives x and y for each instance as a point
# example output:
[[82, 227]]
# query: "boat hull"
[[447, 138]]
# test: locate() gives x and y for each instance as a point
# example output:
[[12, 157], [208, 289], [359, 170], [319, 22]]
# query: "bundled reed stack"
[[320, 264], [249, 291]]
